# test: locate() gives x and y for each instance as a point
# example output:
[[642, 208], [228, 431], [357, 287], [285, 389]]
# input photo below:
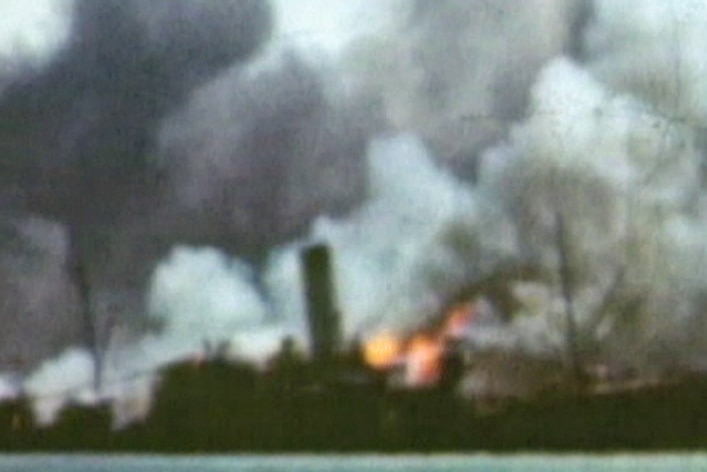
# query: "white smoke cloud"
[[30, 34], [458, 73], [654, 51], [421, 236], [68, 377], [626, 181], [128, 376], [329, 27], [201, 294], [201, 297]]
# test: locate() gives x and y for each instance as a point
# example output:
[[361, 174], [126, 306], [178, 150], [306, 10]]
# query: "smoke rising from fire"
[[420, 237], [430, 147], [30, 34]]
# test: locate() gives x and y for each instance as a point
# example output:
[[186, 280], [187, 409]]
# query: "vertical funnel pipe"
[[321, 307], [80, 278]]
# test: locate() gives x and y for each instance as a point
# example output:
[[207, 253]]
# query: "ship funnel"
[[322, 312]]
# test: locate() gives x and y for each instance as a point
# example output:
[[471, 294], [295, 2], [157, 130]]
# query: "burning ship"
[[599, 125], [493, 398], [429, 390]]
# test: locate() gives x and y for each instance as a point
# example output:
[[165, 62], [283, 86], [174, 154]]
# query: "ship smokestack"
[[322, 312]]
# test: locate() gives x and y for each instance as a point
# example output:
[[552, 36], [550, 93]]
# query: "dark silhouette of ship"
[[334, 401]]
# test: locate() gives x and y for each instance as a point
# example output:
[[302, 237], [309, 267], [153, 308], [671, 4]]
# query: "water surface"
[[347, 463]]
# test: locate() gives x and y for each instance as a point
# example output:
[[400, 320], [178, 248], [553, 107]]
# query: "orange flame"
[[424, 360], [382, 351], [421, 357]]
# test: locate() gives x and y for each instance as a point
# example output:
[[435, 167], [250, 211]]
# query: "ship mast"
[[566, 286]]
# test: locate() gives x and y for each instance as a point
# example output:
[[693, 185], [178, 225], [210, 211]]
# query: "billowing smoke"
[[458, 72], [421, 235], [626, 182], [652, 53], [259, 152], [81, 131], [595, 143], [38, 302], [30, 35], [76, 135], [193, 282], [108, 141], [432, 147]]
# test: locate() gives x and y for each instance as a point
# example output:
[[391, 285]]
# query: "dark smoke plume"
[[259, 153], [38, 309], [76, 137]]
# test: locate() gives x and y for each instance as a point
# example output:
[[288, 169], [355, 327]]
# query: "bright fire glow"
[[382, 351], [421, 356], [424, 360], [458, 320]]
